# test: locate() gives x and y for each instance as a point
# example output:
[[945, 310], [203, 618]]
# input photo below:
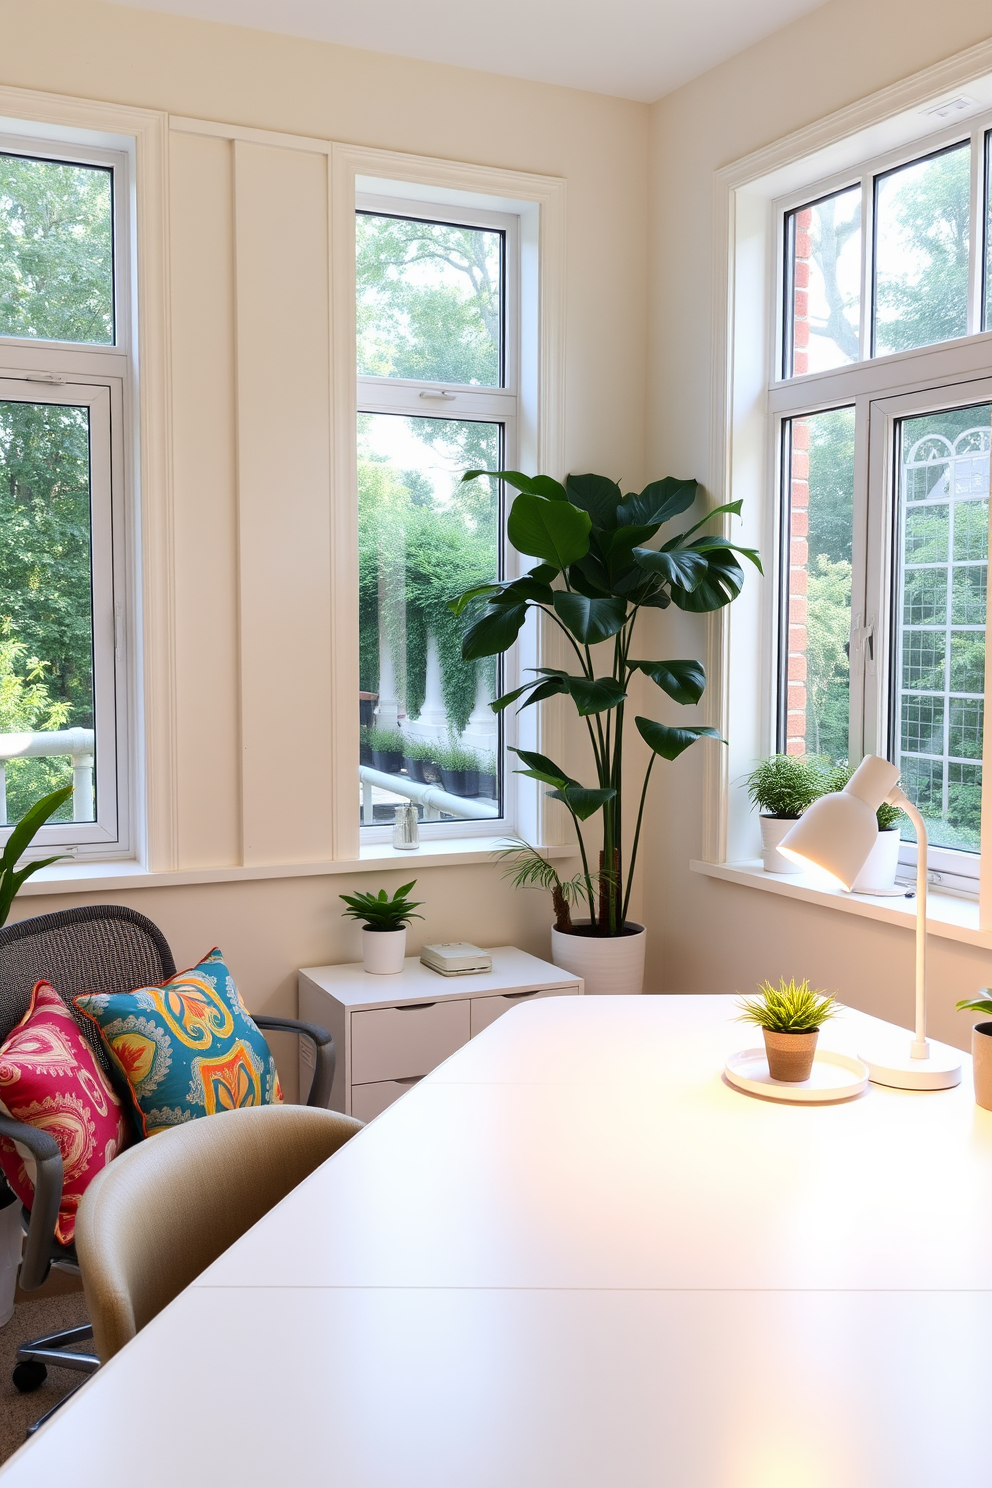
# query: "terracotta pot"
[[790, 1055], [981, 1053], [606, 963], [383, 951], [879, 871], [773, 829]]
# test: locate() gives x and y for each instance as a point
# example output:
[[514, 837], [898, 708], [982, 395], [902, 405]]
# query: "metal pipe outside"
[[430, 796]]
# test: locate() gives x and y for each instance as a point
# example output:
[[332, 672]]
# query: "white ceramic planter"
[[383, 951], [773, 829], [880, 867], [10, 1258], [606, 963]]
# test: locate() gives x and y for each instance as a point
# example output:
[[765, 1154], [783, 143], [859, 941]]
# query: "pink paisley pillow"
[[50, 1079]]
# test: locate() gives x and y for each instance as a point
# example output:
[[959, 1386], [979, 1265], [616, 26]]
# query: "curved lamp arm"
[[897, 797]]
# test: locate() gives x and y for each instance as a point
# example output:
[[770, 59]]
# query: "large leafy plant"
[[596, 573], [20, 839]]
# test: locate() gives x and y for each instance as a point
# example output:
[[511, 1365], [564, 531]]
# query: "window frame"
[[101, 376], [404, 397], [873, 385]]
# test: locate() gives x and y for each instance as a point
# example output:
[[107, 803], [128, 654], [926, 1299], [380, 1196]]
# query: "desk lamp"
[[836, 833]]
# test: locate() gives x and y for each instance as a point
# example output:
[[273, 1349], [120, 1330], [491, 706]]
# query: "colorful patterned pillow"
[[50, 1079], [187, 1048]]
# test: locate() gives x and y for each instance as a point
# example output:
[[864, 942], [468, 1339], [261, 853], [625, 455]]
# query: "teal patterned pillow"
[[187, 1048]]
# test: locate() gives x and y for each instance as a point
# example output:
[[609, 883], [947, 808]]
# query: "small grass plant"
[[380, 912], [790, 1007], [386, 741]]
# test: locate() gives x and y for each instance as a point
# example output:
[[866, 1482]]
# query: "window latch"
[[430, 393], [870, 639], [54, 378]]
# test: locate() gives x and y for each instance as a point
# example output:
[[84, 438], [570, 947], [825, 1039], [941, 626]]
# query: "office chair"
[[99, 948], [157, 1216]]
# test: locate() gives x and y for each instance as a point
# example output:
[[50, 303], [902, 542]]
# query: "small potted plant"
[[384, 923], [387, 747], [790, 1018], [415, 752], [459, 775], [981, 1047], [782, 787], [878, 876], [487, 775]]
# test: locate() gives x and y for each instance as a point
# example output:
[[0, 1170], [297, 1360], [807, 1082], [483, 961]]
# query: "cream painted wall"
[[717, 936], [252, 544]]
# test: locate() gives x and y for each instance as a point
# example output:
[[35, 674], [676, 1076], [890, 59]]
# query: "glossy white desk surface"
[[574, 1256]]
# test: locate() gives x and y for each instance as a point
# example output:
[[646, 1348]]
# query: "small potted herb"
[[384, 923], [782, 787], [387, 747], [878, 876], [459, 774], [790, 1018], [981, 1047], [487, 775], [415, 752]]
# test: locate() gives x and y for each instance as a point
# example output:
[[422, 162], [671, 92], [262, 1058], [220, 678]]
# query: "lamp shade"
[[837, 832]]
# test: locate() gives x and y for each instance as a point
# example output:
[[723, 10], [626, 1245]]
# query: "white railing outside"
[[433, 799], [76, 743]]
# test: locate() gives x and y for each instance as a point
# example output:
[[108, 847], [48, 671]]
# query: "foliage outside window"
[[884, 517], [433, 399], [61, 373]]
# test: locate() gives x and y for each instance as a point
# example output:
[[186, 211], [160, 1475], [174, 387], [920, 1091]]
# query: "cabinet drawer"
[[395, 1043], [369, 1101], [486, 1010]]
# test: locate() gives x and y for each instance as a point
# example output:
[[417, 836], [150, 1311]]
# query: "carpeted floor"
[[31, 1319]]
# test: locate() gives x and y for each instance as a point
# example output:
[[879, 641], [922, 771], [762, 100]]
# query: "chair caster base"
[[29, 1375]]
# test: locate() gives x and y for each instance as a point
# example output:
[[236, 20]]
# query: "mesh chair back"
[[100, 948]]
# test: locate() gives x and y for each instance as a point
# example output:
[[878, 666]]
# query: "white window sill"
[[116, 874], [948, 915]]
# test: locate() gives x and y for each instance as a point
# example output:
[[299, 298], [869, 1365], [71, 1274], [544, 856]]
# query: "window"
[[437, 354], [64, 385], [883, 422]]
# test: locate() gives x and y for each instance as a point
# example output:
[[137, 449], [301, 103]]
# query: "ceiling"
[[630, 48]]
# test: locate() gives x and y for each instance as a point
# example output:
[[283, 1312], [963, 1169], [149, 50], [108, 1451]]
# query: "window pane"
[[424, 538], [823, 275], [940, 692], [430, 301], [818, 526], [56, 251], [46, 624], [922, 223]]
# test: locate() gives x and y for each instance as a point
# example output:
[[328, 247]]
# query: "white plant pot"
[[383, 951], [773, 829], [880, 867], [10, 1258], [606, 963]]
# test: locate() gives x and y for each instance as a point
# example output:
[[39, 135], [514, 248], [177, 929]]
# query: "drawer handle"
[[512, 996], [408, 1080], [412, 1007]]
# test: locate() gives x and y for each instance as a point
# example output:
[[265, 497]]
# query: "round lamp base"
[[897, 1068]]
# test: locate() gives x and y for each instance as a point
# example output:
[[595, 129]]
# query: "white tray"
[[835, 1077]]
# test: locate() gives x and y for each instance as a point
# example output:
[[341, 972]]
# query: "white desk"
[[573, 1257]]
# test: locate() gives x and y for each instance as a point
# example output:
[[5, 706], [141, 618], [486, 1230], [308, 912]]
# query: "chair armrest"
[[44, 1149], [325, 1054]]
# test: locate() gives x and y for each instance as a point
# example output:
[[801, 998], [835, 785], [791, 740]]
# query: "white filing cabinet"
[[390, 1031]]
